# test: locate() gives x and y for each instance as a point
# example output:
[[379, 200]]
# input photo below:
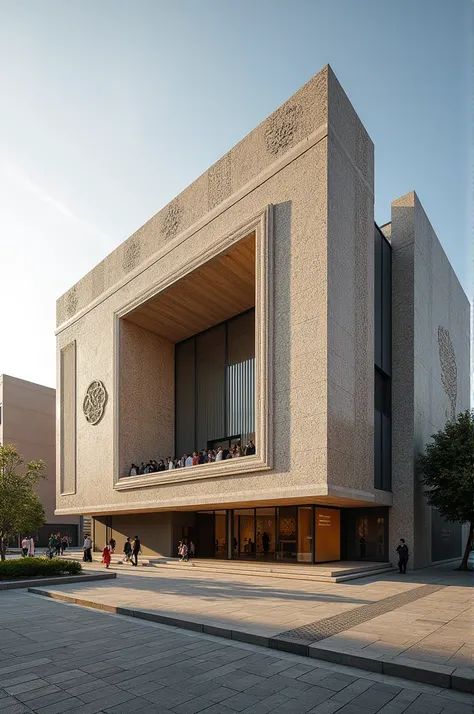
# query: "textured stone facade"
[[303, 181], [431, 374]]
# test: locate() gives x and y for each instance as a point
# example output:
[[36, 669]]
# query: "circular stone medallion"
[[94, 402]]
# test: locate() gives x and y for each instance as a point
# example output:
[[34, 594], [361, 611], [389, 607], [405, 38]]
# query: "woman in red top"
[[195, 459], [106, 556]]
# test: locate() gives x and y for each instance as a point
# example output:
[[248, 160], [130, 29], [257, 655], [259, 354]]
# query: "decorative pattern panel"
[[131, 255], [282, 129], [449, 371], [219, 181], [94, 402], [172, 219], [71, 302]]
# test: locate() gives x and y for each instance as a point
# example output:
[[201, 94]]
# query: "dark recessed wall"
[[383, 362]]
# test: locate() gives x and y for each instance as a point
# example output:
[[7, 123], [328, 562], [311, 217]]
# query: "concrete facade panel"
[[146, 396], [430, 359]]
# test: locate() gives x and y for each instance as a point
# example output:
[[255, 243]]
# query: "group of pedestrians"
[[28, 547], [186, 550], [58, 544], [131, 550]]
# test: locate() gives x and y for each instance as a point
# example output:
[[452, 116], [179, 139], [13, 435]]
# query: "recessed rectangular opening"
[[187, 362]]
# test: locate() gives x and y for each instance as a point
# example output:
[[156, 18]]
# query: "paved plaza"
[[56, 657], [426, 616]]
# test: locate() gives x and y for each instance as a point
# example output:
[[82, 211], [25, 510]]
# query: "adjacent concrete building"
[[263, 304], [28, 420]]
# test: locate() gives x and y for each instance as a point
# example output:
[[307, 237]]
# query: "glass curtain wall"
[[305, 534], [366, 534], [298, 534], [285, 534], [215, 386]]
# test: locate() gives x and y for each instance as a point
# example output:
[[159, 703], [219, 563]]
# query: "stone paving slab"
[[147, 668], [434, 632]]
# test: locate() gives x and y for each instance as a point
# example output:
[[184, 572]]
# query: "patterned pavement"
[[58, 658], [330, 626]]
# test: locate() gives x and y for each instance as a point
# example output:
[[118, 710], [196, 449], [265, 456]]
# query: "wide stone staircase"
[[337, 572]]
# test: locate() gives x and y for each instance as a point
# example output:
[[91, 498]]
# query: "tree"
[[447, 470], [20, 508]]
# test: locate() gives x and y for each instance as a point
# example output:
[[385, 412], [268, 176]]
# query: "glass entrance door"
[[287, 527], [371, 538], [265, 533], [220, 530], [305, 534], [244, 533]]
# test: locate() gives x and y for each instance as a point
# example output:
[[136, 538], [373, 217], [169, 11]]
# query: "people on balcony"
[[198, 458]]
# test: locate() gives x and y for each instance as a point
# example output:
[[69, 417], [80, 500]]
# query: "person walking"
[[87, 549], [192, 549], [64, 544], [136, 549], [106, 556], [127, 549], [402, 551], [25, 546], [31, 548], [112, 544]]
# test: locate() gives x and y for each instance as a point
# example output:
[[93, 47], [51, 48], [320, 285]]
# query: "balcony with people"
[[204, 456], [187, 372]]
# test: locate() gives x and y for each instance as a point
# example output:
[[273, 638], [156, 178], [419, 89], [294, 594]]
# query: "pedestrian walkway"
[[424, 619], [58, 658]]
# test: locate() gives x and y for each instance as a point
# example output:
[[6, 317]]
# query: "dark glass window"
[[382, 396], [382, 431], [383, 361], [382, 302]]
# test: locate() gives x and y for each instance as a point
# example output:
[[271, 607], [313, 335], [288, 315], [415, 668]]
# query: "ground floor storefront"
[[303, 534], [291, 534]]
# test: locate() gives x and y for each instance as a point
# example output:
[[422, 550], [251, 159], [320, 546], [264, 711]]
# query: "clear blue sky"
[[110, 108]]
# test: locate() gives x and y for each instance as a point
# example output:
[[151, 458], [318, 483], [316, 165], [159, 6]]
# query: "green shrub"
[[38, 568]]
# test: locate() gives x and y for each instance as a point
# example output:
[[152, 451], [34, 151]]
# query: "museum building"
[[264, 307]]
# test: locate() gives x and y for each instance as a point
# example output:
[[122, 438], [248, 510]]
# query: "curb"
[[461, 680], [59, 580]]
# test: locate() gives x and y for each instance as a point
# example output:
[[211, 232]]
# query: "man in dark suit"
[[402, 551], [136, 549]]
